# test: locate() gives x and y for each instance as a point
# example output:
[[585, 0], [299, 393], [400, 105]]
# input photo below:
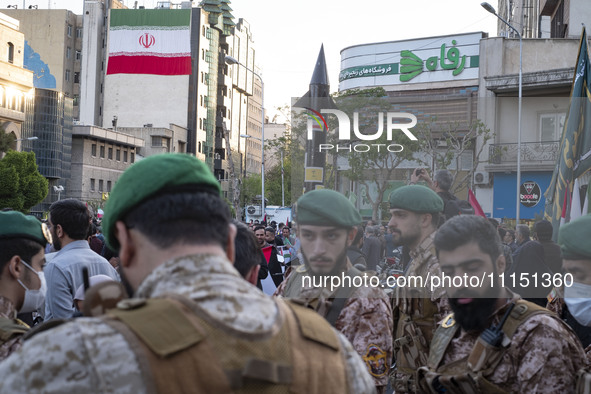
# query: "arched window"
[[10, 52]]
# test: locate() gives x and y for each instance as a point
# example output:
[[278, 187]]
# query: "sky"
[[288, 34]]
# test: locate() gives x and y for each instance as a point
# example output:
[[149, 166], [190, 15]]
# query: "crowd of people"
[[167, 294]]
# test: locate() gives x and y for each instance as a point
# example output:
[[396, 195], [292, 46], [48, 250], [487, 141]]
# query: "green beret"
[[326, 207], [167, 172], [416, 198], [574, 237], [14, 224]]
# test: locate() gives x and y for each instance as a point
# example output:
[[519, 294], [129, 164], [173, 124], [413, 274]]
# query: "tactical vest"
[[467, 375], [331, 312], [412, 337], [180, 349]]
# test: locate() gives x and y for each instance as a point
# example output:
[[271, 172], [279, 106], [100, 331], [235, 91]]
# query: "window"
[[125, 156], [118, 155], [93, 150], [109, 186], [110, 153], [131, 157], [78, 55], [103, 151], [551, 126], [157, 141], [10, 52], [68, 52], [100, 185], [76, 100], [92, 181], [69, 30], [79, 32], [67, 75], [76, 77]]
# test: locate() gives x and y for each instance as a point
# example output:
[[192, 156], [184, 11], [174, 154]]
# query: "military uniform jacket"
[[421, 305], [543, 357], [11, 329], [89, 356], [365, 320]]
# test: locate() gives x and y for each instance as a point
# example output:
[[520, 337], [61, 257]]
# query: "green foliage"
[[273, 183], [251, 187], [377, 165], [21, 184], [444, 143], [6, 140]]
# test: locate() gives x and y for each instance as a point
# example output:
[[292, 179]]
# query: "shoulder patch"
[[375, 359]]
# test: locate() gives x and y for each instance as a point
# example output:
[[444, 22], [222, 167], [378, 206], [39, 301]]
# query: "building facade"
[[16, 82], [436, 80], [99, 157], [53, 49]]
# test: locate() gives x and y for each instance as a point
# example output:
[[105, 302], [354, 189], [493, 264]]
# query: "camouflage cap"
[[326, 207], [14, 224], [154, 175], [574, 237], [416, 198]]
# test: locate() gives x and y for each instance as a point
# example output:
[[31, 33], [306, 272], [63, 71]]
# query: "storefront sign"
[[529, 194]]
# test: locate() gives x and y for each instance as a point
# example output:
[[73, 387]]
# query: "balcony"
[[535, 156]]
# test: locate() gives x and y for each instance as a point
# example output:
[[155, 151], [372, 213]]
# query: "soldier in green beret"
[[415, 211], [573, 239], [194, 324], [22, 284], [326, 226]]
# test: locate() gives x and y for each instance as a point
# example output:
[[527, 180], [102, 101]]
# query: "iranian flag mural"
[[150, 42]]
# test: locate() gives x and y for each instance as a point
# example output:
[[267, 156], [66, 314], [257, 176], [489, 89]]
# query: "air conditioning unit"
[[481, 178], [253, 210]]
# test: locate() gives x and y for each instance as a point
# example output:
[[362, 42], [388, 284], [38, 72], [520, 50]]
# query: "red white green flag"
[[150, 42]]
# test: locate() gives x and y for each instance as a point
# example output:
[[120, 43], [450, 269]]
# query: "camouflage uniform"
[[89, 355], [543, 355], [422, 306], [365, 319], [9, 342]]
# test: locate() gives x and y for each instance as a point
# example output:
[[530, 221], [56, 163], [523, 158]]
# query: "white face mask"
[[578, 300], [34, 299]]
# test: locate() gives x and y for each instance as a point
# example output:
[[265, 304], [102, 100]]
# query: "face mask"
[[34, 299], [578, 300]]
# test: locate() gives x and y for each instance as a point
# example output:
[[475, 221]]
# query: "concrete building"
[[16, 82], [548, 67], [53, 49], [99, 157], [433, 78]]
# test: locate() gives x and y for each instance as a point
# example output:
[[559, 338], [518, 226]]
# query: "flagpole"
[[282, 189], [492, 10]]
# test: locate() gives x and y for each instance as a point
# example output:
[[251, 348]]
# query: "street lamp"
[[491, 9], [27, 139], [58, 189], [231, 61]]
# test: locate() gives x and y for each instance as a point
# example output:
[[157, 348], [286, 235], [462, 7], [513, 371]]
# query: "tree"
[[273, 183], [376, 165], [251, 188], [444, 147], [21, 184]]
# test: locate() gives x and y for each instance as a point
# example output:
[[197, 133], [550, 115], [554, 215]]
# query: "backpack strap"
[[342, 295]]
